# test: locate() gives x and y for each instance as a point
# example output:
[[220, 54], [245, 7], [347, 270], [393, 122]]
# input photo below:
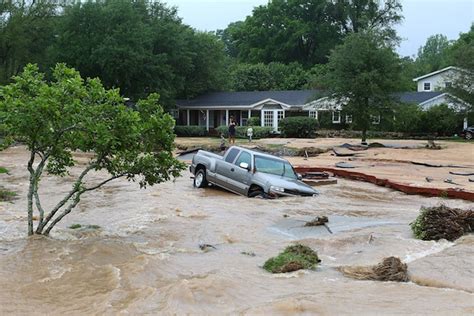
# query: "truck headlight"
[[277, 189]]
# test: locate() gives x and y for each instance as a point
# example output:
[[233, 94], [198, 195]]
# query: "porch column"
[[261, 118], [207, 120], [227, 117], [465, 123], [250, 114]]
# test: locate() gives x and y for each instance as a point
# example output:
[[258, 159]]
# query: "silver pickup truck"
[[249, 173]]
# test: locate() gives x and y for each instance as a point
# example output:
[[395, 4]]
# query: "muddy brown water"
[[145, 259]]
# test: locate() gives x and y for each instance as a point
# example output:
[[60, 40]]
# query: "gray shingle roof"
[[291, 97], [416, 97]]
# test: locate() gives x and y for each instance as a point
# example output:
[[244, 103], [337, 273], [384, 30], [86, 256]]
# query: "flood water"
[[145, 258]]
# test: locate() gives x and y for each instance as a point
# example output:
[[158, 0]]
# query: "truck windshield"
[[274, 166]]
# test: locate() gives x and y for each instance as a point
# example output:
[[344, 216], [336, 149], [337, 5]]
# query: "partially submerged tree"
[[363, 73], [55, 119]]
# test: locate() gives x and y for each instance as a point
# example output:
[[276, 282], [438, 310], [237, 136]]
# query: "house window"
[[348, 118], [375, 119], [427, 86], [268, 118], [449, 84], [336, 117], [313, 114]]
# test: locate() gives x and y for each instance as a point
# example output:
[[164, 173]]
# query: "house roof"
[[435, 73], [417, 97], [249, 98]]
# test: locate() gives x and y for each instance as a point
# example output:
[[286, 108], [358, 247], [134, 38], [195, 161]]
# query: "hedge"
[[241, 131], [298, 126], [190, 131]]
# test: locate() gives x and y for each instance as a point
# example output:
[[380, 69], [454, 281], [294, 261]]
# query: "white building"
[[437, 80]]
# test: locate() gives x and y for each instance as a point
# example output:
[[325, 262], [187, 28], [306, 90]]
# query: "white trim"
[[446, 94], [227, 118], [207, 120], [348, 119], [263, 102], [336, 121], [187, 117], [435, 73]]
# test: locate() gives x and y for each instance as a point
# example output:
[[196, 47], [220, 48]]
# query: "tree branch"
[[103, 182], [76, 188]]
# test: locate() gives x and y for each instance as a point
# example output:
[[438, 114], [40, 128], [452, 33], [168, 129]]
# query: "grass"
[[3, 170], [6, 195], [293, 258], [77, 226]]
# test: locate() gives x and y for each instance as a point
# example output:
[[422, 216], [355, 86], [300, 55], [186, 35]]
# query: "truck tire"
[[200, 180], [257, 194], [468, 135]]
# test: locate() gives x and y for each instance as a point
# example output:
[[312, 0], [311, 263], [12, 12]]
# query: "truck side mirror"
[[299, 176], [244, 165]]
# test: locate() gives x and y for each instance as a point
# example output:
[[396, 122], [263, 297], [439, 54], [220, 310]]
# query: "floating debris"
[[293, 258], [318, 221], [442, 222], [390, 269], [206, 247]]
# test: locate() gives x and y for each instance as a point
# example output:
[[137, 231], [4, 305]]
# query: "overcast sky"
[[422, 17]]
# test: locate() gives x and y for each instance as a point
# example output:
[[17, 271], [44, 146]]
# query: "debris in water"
[[431, 145], [317, 221], [206, 247], [390, 269], [467, 174], [248, 253], [345, 165], [293, 258], [429, 179], [442, 222]]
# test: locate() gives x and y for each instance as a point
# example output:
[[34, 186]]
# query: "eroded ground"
[[146, 257]]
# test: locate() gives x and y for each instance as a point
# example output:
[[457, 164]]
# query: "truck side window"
[[244, 157], [230, 157]]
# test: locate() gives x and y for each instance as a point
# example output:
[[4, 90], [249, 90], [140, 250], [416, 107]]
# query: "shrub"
[[6, 195], [190, 131], [293, 258], [253, 121], [3, 170], [298, 126], [241, 131], [440, 120]]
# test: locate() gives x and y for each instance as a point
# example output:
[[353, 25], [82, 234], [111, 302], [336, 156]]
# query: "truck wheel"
[[258, 194], [200, 179], [468, 136]]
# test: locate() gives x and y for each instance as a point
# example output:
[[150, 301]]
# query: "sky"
[[422, 17]]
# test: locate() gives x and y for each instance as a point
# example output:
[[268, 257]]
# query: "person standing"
[[232, 131], [250, 133]]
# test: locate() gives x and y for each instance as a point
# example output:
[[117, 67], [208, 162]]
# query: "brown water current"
[[145, 258]]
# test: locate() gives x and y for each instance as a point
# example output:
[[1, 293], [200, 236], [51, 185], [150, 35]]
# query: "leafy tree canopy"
[[363, 73], [55, 119]]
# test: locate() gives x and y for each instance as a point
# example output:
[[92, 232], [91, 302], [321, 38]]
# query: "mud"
[[145, 259]]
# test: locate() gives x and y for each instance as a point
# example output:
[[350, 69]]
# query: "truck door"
[[224, 168], [239, 178]]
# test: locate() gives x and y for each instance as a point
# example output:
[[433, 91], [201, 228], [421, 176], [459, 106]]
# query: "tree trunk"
[[364, 136], [30, 204]]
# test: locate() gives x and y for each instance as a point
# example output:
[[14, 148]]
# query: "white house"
[[437, 80], [215, 109]]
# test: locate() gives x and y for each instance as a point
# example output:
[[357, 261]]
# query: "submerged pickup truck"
[[249, 173]]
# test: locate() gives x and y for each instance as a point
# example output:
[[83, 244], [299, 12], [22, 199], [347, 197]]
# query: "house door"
[[272, 117]]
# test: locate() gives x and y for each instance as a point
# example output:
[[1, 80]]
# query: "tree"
[[286, 31], [140, 47], [55, 119], [363, 73], [461, 54], [379, 17], [26, 32], [432, 56], [305, 31]]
